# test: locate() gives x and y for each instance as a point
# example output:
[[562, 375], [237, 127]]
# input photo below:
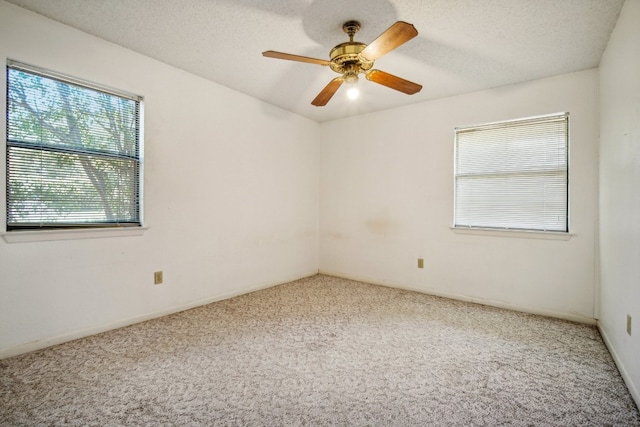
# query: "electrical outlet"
[[628, 324], [420, 263], [157, 277]]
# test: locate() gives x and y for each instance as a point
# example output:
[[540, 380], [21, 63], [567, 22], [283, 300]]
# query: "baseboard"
[[459, 297], [623, 372], [60, 339]]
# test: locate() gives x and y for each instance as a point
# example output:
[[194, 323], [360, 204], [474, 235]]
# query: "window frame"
[[80, 229], [515, 231]]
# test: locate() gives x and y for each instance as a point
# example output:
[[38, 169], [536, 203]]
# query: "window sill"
[[89, 233], [546, 235]]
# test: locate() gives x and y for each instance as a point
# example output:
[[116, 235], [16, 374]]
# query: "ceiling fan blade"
[[396, 35], [290, 57], [325, 94], [393, 82]]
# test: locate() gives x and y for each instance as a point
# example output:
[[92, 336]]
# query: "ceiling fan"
[[352, 58]]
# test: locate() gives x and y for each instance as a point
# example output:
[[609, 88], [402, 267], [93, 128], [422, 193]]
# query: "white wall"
[[386, 194], [620, 193], [231, 199]]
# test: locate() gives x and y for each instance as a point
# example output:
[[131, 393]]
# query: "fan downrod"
[[351, 28]]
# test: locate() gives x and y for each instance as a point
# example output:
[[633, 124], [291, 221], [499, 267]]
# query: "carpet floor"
[[324, 351]]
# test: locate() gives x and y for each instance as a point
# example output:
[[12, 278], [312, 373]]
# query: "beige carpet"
[[325, 351]]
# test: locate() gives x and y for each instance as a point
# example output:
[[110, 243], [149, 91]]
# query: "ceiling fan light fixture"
[[351, 77], [353, 93]]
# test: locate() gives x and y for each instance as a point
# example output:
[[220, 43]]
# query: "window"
[[73, 152], [513, 175]]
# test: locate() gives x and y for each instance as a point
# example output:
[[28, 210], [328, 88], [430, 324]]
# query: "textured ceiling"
[[462, 46]]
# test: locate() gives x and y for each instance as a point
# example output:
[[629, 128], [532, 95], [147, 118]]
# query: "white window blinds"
[[73, 152], [513, 175]]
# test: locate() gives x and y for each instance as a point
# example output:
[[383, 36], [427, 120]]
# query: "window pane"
[[528, 202], [64, 188], [529, 147]]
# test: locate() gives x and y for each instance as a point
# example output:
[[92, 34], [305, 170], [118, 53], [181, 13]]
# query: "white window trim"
[[71, 234], [504, 232]]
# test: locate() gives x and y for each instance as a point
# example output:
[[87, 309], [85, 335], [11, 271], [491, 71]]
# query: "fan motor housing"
[[347, 55]]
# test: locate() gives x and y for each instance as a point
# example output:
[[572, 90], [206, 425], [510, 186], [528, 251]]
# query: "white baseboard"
[[459, 297], [74, 335], [623, 372]]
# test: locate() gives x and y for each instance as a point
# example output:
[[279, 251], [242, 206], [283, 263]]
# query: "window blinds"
[[513, 175], [73, 152]]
